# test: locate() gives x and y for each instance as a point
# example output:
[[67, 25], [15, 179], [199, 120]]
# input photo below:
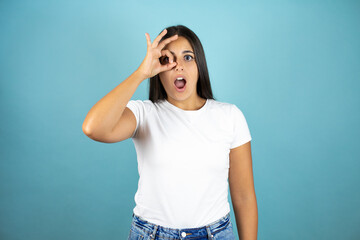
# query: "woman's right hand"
[[151, 65]]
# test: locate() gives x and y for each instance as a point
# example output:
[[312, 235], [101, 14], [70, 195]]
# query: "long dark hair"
[[203, 87]]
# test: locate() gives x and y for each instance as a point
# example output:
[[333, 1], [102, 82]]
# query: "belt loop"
[[210, 236], [152, 236]]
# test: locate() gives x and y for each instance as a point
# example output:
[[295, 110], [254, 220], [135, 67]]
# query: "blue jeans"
[[144, 230]]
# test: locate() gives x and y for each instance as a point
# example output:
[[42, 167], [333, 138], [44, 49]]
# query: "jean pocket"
[[222, 226], [225, 233], [133, 235]]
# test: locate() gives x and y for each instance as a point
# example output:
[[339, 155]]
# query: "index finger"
[[157, 39], [166, 41]]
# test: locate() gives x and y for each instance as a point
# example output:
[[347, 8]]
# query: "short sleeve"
[[240, 128], [139, 109]]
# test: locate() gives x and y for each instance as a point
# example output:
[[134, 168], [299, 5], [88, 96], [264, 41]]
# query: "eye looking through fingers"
[[166, 57], [164, 60]]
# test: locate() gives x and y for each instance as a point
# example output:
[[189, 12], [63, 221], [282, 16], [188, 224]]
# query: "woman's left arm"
[[242, 192]]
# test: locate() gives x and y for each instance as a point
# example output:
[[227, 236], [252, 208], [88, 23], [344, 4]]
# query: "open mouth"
[[180, 83]]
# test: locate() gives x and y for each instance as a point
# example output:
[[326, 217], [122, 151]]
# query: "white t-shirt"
[[183, 160]]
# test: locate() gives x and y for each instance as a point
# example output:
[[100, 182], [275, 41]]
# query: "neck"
[[188, 104]]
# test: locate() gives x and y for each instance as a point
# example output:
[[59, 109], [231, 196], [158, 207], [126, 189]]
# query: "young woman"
[[188, 145]]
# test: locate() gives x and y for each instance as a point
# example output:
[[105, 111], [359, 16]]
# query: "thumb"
[[167, 67]]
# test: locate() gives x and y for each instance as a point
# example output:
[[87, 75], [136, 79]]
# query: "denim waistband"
[[181, 233]]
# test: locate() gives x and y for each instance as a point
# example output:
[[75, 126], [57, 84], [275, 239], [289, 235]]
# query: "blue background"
[[292, 67]]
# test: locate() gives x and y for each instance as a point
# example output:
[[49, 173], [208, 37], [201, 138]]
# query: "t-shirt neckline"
[[187, 111]]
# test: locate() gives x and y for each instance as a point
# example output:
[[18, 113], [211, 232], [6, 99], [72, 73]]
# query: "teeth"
[[179, 78]]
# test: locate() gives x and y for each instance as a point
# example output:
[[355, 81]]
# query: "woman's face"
[[183, 55]]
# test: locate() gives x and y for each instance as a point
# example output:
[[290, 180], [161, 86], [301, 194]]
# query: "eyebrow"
[[186, 51]]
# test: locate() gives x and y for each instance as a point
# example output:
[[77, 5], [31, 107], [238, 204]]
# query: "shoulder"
[[229, 110], [222, 106], [144, 104], [138, 101]]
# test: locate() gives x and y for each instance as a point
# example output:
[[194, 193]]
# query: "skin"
[[186, 66], [242, 191]]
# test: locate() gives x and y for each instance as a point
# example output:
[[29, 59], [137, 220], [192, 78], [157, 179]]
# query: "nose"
[[179, 66]]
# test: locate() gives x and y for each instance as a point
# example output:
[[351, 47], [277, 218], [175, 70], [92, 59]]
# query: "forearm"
[[246, 215], [103, 116]]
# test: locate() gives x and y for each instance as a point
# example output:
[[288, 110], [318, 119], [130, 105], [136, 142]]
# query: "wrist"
[[140, 75]]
